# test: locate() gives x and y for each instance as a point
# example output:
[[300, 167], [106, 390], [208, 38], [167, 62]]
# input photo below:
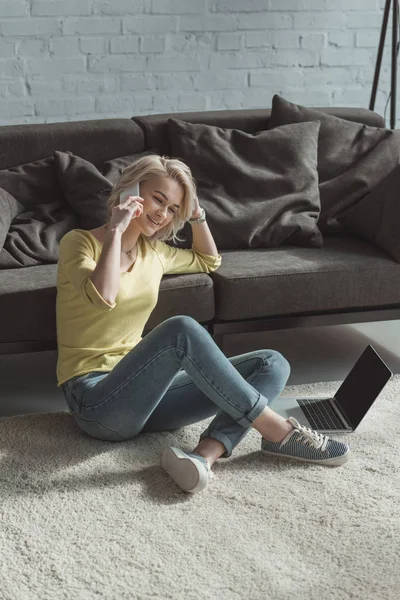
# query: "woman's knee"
[[280, 363], [181, 323]]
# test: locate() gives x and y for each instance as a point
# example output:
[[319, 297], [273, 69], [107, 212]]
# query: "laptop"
[[345, 411]]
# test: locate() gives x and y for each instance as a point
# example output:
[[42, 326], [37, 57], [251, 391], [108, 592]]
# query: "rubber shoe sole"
[[189, 473], [329, 462]]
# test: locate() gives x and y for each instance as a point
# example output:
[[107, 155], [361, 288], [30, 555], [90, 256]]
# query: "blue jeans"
[[175, 376]]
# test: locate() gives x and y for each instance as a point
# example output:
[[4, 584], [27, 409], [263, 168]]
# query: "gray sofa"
[[347, 280]]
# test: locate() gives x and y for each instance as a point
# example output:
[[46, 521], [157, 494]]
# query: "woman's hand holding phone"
[[130, 207]]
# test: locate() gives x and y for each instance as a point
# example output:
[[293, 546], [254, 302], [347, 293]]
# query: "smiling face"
[[162, 198]]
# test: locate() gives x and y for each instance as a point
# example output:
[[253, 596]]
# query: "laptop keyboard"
[[320, 414]]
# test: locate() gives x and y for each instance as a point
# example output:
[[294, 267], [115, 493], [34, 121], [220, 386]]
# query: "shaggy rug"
[[83, 519]]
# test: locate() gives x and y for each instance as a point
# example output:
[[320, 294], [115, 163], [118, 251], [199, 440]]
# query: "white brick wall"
[[64, 60]]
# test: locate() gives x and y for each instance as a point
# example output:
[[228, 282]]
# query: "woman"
[[117, 383]]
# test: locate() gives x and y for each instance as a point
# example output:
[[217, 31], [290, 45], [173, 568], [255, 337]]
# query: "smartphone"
[[133, 190]]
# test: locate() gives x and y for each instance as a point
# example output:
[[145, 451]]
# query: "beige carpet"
[[83, 519]]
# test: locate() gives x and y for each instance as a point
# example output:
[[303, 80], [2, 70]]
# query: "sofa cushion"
[[32, 181], [352, 157], [112, 169], [376, 217], [85, 189], [9, 209], [28, 298], [252, 283], [345, 274], [258, 190], [36, 216]]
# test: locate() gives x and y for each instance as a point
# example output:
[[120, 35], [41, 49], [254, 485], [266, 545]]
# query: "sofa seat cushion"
[[347, 273], [28, 298], [190, 294]]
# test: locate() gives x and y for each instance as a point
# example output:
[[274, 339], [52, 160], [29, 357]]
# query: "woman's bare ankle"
[[272, 426], [210, 449]]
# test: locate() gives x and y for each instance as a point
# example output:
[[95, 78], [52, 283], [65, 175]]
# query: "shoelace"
[[309, 436]]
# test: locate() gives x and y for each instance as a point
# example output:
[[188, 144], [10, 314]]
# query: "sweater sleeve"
[[76, 262], [179, 260]]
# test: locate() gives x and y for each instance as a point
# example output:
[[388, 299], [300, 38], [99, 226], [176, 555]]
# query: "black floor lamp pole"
[[394, 60]]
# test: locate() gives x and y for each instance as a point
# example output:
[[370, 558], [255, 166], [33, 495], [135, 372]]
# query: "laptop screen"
[[362, 385]]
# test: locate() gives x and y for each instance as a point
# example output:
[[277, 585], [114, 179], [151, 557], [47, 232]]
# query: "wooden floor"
[[315, 354]]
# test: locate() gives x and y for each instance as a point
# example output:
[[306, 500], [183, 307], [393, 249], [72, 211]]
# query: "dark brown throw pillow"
[[9, 209], [85, 189], [352, 158], [34, 216], [31, 181], [376, 217], [258, 190]]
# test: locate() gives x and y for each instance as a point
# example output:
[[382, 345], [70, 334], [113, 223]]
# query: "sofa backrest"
[[155, 131], [103, 139], [96, 140]]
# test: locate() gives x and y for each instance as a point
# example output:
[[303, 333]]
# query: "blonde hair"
[[149, 167]]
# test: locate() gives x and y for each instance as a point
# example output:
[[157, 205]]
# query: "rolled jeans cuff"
[[247, 420]]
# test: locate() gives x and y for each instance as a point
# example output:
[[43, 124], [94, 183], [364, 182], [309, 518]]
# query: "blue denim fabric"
[[176, 376]]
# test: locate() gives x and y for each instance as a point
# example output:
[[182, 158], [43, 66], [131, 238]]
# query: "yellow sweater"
[[93, 335]]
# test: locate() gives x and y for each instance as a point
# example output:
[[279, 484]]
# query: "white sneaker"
[[190, 471]]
